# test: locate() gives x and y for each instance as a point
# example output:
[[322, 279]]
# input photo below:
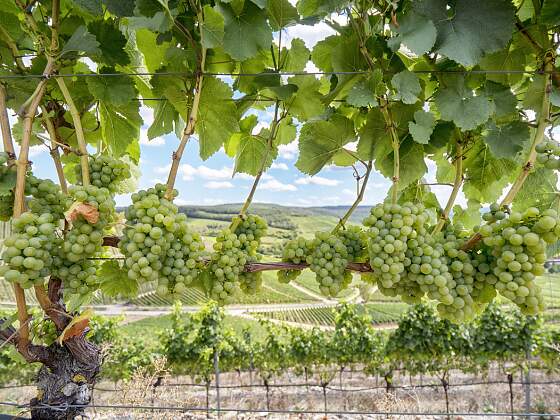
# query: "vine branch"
[[395, 143], [358, 200], [54, 150], [76, 119], [5, 124], [455, 191]]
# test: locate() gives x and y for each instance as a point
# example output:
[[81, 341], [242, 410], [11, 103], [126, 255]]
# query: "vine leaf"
[[118, 90], [469, 217], [296, 58], [362, 94], [121, 8], [412, 163], [212, 28], [217, 116], [111, 41], [508, 139], [407, 85], [76, 326], [81, 41], [539, 190], [115, 282], [7, 183], [245, 33], [457, 103], [307, 102], [505, 65], [281, 14], [505, 102], [251, 152], [120, 126], [466, 30], [422, 127], [87, 211], [415, 32], [320, 140], [550, 12]]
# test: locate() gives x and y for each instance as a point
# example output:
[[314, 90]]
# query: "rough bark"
[[66, 381]]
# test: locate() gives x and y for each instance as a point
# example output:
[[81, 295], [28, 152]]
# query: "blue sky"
[[211, 182]]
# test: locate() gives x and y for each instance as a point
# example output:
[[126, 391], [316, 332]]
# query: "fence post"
[[217, 375], [445, 385], [510, 383], [527, 383], [324, 385]]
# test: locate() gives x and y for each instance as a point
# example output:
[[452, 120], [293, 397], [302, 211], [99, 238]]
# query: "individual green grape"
[[295, 251], [28, 253], [328, 260], [105, 171]]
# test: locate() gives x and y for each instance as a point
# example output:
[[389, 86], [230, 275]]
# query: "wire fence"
[[312, 389]]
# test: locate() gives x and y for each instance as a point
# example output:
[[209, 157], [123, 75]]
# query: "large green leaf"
[[252, 151], [457, 103], [375, 139], [407, 86], [322, 53], [485, 175], [154, 52], [307, 102], [505, 66], [212, 28], [281, 14], [320, 140], [120, 126], [115, 282], [120, 8], [505, 102], [415, 32], [81, 41], [422, 127], [412, 164], [469, 217], [116, 90], [467, 30], [165, 117], [296, 58], [508, 139], [112, 42], [217, 116], [539, 190], [550, 12], [245, 34]]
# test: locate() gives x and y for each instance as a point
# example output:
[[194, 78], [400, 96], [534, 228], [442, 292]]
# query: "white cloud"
[[162, 169], [318, 180], [310, 34], [147, 115], [218, 185], [158, 141], [275, 185], [281, 166], [348, 191], [205, 172], [288, 151]]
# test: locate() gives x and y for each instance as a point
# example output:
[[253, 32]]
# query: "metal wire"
[[274, 411], [293, 73]]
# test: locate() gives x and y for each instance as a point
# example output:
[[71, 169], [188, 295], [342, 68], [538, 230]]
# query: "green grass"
[[149, 329], [307, 280]]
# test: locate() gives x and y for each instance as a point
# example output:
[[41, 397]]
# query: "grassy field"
[[149, 329]]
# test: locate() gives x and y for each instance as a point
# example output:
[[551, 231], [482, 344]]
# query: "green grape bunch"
[[518, 245], [548, 154], [393, 229], [105, 171], [28, 253], [355, 240], [328, 260], [84, 240], [158, 245], [226, 264]]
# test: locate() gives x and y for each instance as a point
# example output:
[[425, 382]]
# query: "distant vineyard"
[[325, 316]]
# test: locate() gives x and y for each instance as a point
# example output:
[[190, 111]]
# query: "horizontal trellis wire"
[[262, 74], [272, 411]]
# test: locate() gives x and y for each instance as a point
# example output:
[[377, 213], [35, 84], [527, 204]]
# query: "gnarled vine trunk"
[[66, 380]]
